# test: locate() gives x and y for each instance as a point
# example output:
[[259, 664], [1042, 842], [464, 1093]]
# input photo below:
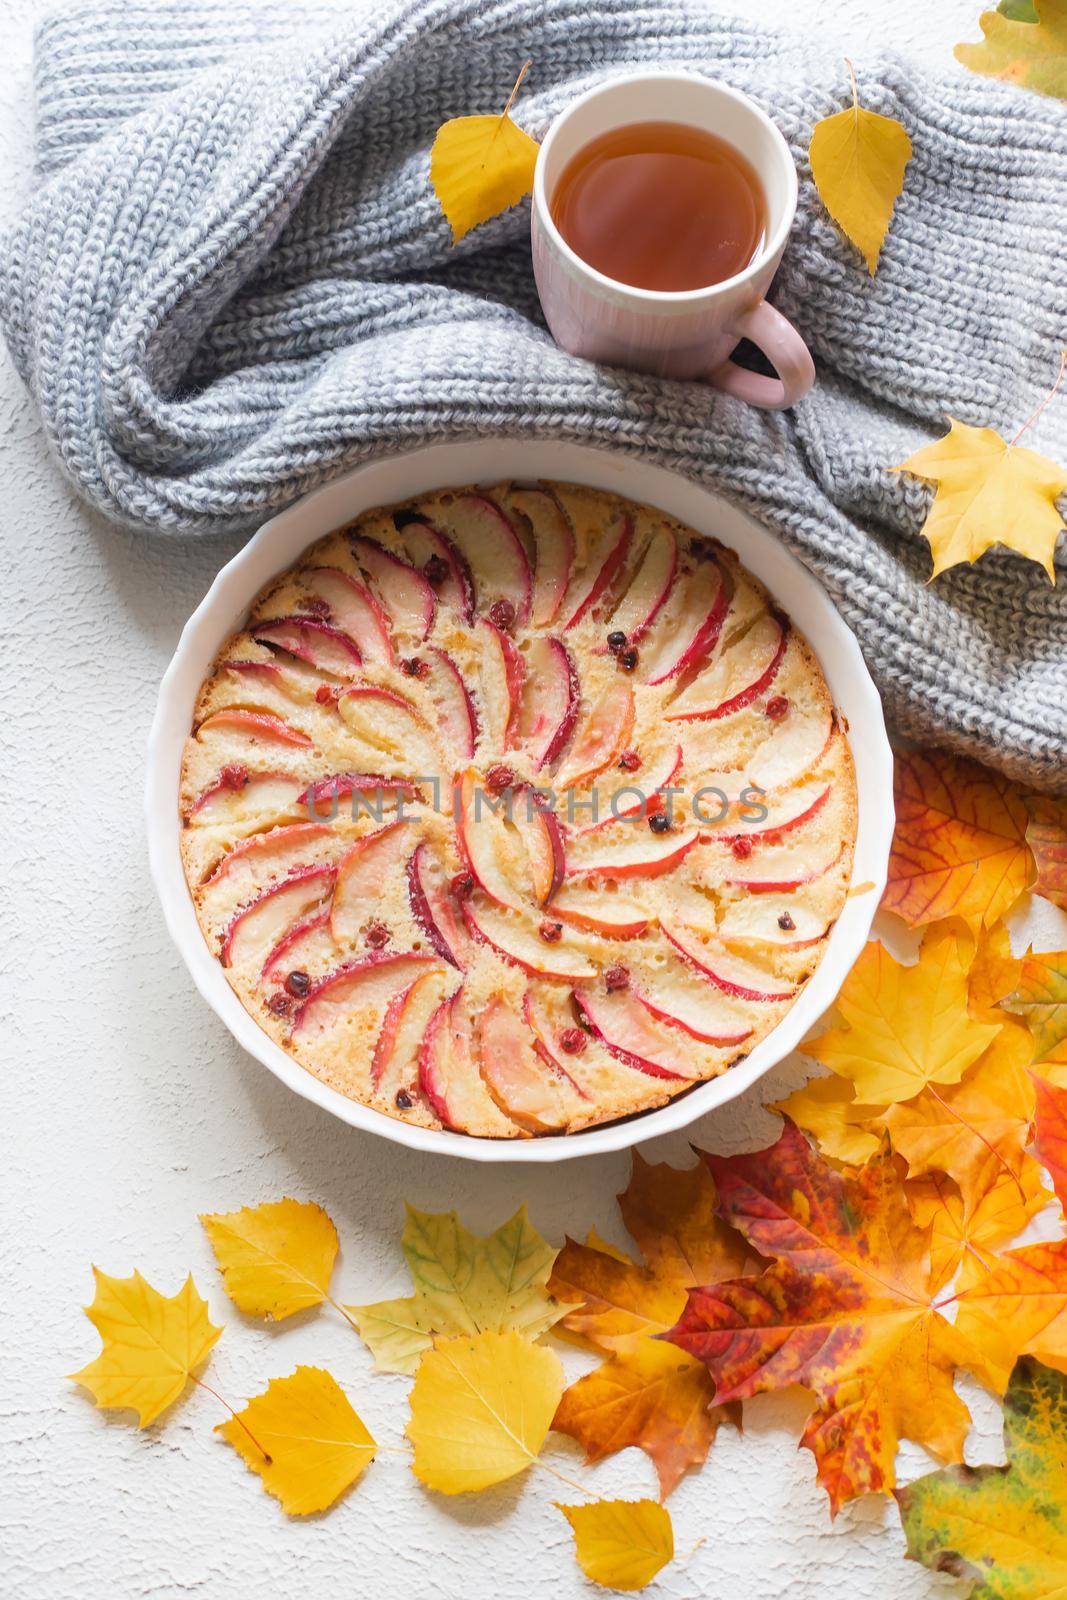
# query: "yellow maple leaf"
[[907, 1027], [276, 1258], [1032, 54], [152, 1344], [303, 1438], [621, 1544], [463, 1285], [481, 1409], [827, 1108], [857, 163], [990, 492], [479, 166], [977, 1129]]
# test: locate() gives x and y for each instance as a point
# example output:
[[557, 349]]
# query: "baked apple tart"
[[516, 810]]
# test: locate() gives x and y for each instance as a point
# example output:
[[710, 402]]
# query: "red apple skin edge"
[[721, 1039], [745, 696], [398, 581], [302, 875], [637, 869], [320, 920], [354, 969], [782, 827], [703, 641], [284, 633], [265, 843], [422, 910], [651, 1069], [503, 531], [541, 1046], [609, 570], [737, 990], [257, 723]]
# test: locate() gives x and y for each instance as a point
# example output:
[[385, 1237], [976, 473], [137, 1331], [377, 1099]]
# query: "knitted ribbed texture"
[[233, 282]]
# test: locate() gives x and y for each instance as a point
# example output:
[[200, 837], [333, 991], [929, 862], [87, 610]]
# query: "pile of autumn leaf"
[[867, 1263]]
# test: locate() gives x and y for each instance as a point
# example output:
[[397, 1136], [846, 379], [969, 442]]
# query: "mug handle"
[[784, 349]]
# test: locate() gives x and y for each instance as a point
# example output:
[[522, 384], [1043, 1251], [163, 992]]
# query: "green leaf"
[[463, 1285], [1004, 1528]]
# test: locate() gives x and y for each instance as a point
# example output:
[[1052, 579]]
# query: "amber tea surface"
[[661, 205]]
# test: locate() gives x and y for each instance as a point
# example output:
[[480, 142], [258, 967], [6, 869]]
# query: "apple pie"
[[518, 810]]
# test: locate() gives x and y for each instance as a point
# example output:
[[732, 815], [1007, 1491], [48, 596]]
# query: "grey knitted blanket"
[[233, 282]]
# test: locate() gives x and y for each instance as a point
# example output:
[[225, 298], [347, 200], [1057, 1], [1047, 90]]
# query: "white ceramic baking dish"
[[280, 541]]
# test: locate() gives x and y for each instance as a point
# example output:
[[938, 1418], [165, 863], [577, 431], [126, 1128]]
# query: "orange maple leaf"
[[846, 1308], [1040, 998], [1017, 1307], [1046, 834], [1050, 1133], [992, 974], [646, 1394], [963, 1236], [960, 843]]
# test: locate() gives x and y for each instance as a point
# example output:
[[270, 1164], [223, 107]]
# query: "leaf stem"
[[238, 1419], [337, 1306], [949, 1300], [572, 1483], [1032, 418], [855, 91], [523, 70]]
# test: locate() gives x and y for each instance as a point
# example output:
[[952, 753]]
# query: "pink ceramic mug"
[[688, 334]]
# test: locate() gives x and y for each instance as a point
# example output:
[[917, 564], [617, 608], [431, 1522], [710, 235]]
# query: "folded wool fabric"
[[233, 281]]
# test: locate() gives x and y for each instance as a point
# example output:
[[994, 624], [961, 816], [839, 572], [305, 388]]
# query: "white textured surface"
[[129, 1109]]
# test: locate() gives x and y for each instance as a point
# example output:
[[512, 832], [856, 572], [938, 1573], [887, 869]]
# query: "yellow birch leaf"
[[1031, 54], [988, 492], [315, 1445], [479, 166], [152, 1344], [857, 163], [907, 1027], [463, 1285], [827, 1109], [276, 1258], [481, 1409], [621, 1544]]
